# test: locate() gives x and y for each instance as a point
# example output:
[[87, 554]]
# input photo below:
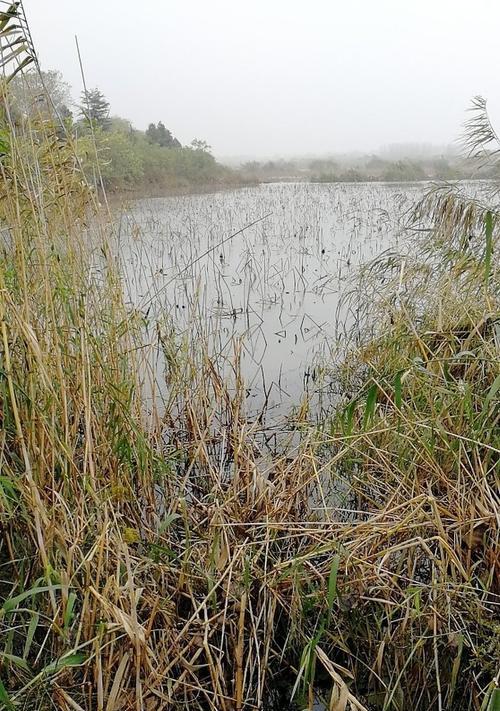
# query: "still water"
[[274, 286]]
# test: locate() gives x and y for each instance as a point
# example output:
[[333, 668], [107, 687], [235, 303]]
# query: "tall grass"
[[168, 561], [420, 452]]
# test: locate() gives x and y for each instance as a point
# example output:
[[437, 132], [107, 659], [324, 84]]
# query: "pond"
[[263, 266]]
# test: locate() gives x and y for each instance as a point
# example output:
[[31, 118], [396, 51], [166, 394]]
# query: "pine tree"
[[95, 109]]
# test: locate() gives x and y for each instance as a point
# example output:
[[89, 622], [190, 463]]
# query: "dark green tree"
[[161, 136], [165, 138], [95, 109]]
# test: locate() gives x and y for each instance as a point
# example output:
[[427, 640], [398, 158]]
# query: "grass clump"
[[419, 455]]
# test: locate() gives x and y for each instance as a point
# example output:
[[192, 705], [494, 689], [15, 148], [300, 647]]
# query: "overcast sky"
[[270, 77]]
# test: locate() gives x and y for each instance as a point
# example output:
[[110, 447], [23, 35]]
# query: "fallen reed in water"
[[175, 560]]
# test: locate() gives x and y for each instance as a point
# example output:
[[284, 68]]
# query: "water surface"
[[274, 287]]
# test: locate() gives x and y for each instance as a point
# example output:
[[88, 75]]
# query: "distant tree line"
[[128, 158], [155, 159], [369, 168]]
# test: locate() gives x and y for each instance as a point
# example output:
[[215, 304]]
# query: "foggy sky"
[[281, 77]]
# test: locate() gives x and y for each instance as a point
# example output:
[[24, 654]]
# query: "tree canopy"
[[162, 136]]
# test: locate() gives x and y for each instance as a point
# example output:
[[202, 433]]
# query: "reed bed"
[[169, 556]]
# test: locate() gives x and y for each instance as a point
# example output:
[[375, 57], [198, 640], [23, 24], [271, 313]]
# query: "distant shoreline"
[[120, 196]]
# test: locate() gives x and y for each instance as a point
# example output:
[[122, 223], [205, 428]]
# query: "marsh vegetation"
[[249, 442]]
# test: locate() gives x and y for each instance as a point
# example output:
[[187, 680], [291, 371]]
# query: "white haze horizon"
[[280, 78], [388, 151]]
